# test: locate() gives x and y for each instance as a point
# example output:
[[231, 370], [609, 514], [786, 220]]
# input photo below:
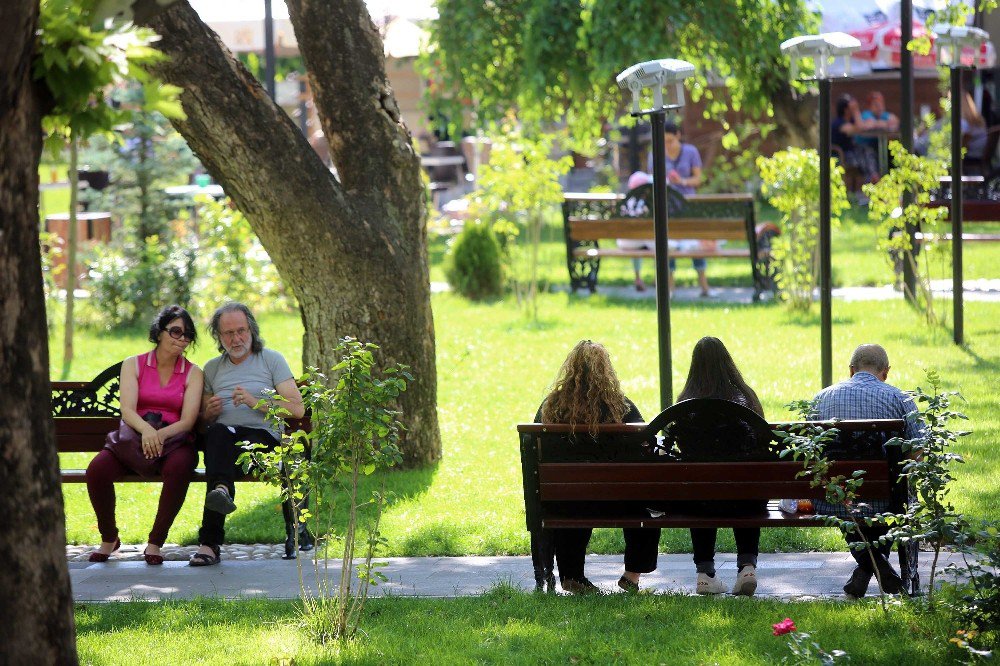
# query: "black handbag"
[[126, 445]]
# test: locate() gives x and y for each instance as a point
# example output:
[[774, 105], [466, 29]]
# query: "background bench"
[[85, 412], [589, 218], [719, 452]]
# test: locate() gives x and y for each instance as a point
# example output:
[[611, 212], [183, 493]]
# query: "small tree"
[[355, 433], [520, 186], [918, 176], [791, 183]]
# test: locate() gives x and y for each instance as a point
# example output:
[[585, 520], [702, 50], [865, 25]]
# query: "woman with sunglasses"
[[160, 398]]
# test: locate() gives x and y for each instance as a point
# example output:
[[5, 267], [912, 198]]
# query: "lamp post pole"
[[269, 50], [906, 129], [957, 287], [660, 228], [825, 288]]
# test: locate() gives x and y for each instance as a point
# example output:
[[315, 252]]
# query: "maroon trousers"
[[105, 469]]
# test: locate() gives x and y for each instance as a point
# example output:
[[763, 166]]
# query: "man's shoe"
[[746, 581], [579, 586], [857, 585], [218, 500], [709, 585]]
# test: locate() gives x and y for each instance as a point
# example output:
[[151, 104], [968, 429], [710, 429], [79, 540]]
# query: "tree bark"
[[353, 250], [36, 612]]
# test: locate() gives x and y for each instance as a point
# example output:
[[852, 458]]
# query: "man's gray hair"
[[870, 358], [256, 342]]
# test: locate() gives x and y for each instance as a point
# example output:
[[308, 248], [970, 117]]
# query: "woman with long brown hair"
[[587, 392], [713, 374]]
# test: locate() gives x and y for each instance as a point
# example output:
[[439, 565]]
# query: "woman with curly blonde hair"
[[587, 392]]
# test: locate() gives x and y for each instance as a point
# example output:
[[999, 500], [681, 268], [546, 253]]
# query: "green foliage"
[[132, 279], [735, 168], [519, 185], [557, 61], [355, 433], [231, 263], [791, 183], [932, 517], [474, 266], [80, 65], [974, 597], [917, 177]]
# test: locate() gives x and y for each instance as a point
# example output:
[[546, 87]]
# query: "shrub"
[[473, 267]]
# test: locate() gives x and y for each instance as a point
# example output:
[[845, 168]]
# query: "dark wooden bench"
[[85, 412], [591, 218], [980, 203], [714, 450]]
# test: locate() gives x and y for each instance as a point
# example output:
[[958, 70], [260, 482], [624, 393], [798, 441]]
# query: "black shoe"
[[857, 586], [306, 543], [218, 500], [579, 586], [628, 584]]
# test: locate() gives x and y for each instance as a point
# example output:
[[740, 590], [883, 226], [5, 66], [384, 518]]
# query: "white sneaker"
[[709, 585], [746, 581]]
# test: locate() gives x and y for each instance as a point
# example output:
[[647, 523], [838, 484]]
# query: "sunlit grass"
[[504, 627]]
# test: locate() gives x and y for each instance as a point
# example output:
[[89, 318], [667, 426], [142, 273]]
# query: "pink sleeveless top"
[[167, 400]]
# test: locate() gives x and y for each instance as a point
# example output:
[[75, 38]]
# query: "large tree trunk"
[[36, 611], [354, 249]]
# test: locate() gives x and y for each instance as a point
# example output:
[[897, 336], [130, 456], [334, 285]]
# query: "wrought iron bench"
[[85, 412], [590, 218]]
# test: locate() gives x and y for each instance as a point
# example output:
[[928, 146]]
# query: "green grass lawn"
[[493, 372], [504, 627]]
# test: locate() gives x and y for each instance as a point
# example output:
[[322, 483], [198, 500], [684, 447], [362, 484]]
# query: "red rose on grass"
[[786, 626]]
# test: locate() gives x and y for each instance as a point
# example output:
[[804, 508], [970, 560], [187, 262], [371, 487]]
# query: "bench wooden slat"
[[773, 517], [612, 491], [686, 472], [79, 476], [641, 228], [847, 425], [726, 253]]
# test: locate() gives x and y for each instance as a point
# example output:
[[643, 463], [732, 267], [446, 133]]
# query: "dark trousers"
[[221, 451], [703, 546], [105, 469], [641, 546], [881, 551]]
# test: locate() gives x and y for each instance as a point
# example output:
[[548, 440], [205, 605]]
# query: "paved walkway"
[[784, 575]]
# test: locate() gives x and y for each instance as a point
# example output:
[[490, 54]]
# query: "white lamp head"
[[950, 40], [823, 49], [656, 74]]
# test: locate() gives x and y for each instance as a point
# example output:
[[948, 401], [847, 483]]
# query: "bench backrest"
[[85, 412], [710, 451], [640, 228]]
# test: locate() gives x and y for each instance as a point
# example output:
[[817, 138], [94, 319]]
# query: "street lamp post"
[[949, 42], [665, 77], [823, 49]]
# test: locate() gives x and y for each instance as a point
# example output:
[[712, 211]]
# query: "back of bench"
[[620, 462], [85, 412], [641, 228]]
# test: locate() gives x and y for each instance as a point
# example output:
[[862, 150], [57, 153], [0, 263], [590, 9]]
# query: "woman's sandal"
[[98, 556], [204, 559], [152, 559]]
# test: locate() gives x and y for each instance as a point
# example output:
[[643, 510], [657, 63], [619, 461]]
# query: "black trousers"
[[881, 551], [703, 543], [641, 547], [221, 451]]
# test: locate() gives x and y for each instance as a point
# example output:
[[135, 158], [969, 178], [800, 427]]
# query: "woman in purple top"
[[163, 382], [683, 168]]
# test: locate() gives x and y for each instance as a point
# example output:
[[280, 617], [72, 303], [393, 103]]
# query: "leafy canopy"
[[80, 66], [555, 60]]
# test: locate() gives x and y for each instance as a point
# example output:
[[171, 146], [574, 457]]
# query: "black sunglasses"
[[176, 332]]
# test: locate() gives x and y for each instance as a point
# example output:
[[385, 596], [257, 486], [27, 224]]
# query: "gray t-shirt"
[[257, 373]]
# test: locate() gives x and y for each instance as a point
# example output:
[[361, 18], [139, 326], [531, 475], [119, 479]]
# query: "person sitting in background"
[[159, 397], [973, 129], [585, 393], [875, 117], [861, 157], [638, 179]]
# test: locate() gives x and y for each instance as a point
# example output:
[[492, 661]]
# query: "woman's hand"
[[151, 444]]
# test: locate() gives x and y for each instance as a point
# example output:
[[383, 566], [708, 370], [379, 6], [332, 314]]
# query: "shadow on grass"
[[262, 522]]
